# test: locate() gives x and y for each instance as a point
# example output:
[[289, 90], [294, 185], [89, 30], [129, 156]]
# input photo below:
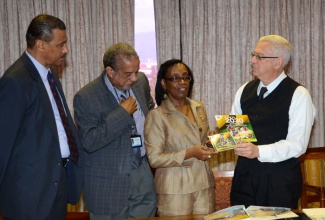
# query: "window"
[[145, 40]]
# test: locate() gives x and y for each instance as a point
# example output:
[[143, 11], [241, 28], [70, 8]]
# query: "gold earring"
[[165, 96]]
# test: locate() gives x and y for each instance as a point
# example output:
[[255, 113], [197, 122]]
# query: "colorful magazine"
[[222, 141], [238, 125], [231, 213], [265, 212], [253, 213]]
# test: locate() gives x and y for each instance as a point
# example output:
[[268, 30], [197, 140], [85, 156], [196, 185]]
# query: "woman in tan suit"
[[175, 137]]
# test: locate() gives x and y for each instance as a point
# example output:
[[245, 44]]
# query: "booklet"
[[315, 213], [252, 212], [265, 212], [238, 125], [222, 141], [231, 213], [232, 128]]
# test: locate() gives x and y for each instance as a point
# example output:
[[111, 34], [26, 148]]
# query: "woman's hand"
[[200, 152]]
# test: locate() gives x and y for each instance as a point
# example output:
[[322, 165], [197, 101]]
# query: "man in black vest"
[[282, 114]]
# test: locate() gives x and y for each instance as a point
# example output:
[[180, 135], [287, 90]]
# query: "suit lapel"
[[138, 92], [112, 102], [44, 98]]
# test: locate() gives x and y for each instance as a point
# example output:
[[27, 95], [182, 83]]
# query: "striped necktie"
[[137, 159], [74, 155]]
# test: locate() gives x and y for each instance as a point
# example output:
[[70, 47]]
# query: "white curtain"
[[92, 26], [215, 38]]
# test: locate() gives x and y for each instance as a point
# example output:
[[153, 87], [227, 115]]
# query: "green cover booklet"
[[232, 128]]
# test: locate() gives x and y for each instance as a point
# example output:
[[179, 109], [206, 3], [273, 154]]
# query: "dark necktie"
[[262, 92], [136, 162], [71, 139], [123, 96]]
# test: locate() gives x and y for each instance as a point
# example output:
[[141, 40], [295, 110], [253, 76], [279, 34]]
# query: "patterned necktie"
[[71, 139], [123, 96], [136, 161], [262, 92]]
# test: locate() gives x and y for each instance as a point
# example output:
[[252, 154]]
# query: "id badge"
[[136, 140]]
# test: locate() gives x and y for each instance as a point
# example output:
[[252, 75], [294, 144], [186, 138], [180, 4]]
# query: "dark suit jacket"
[[105, 129], [29, 145]]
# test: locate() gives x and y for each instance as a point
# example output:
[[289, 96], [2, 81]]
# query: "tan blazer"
[[168, 133]]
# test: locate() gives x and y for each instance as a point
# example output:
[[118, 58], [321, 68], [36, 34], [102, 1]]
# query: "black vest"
[[270, 120]]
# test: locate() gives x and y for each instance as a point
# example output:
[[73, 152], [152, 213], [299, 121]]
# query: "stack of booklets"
[[252, 212], [315, 213], [232, 128]]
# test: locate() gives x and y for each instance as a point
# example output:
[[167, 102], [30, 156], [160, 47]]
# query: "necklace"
[[187, 110]]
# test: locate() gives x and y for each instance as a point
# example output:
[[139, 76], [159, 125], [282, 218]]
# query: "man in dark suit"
[[110, 113], [37, 178]]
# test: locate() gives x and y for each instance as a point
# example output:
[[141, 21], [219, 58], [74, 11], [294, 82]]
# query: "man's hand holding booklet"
[[232, 128]]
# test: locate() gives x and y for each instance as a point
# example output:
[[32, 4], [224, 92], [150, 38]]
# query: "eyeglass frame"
[[258, 57], [178, 79]]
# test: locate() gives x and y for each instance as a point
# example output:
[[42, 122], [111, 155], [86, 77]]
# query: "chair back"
[[223, 182], [312, 168], [77, 211]]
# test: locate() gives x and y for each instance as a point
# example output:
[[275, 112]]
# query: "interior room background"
[[214, 37]]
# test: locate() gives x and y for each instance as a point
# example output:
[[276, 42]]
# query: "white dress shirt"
[[301, 118]]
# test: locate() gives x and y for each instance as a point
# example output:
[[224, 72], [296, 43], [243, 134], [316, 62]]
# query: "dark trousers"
[[59, 208], [281, 188], [142, 196]]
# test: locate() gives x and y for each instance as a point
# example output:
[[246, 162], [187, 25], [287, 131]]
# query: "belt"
[[64, 161]]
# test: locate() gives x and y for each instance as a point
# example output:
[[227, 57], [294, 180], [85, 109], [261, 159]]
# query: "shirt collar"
[[42, 70], [273, 84], [116, 92]]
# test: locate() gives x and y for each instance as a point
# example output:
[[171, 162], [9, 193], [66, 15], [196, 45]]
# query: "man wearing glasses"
[[282, 114], [110, 114]]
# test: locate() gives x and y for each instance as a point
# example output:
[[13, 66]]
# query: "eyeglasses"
[[178, 79], [260, 57]]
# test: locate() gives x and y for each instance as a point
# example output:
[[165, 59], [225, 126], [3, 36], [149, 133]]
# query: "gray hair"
[[116, 53], [280, 46]]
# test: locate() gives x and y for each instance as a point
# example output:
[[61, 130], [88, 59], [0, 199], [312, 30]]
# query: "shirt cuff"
[[265, 153]]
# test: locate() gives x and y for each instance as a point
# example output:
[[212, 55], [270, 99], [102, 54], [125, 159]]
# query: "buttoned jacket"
[[105, 128], [168, 134], [30, 157]]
